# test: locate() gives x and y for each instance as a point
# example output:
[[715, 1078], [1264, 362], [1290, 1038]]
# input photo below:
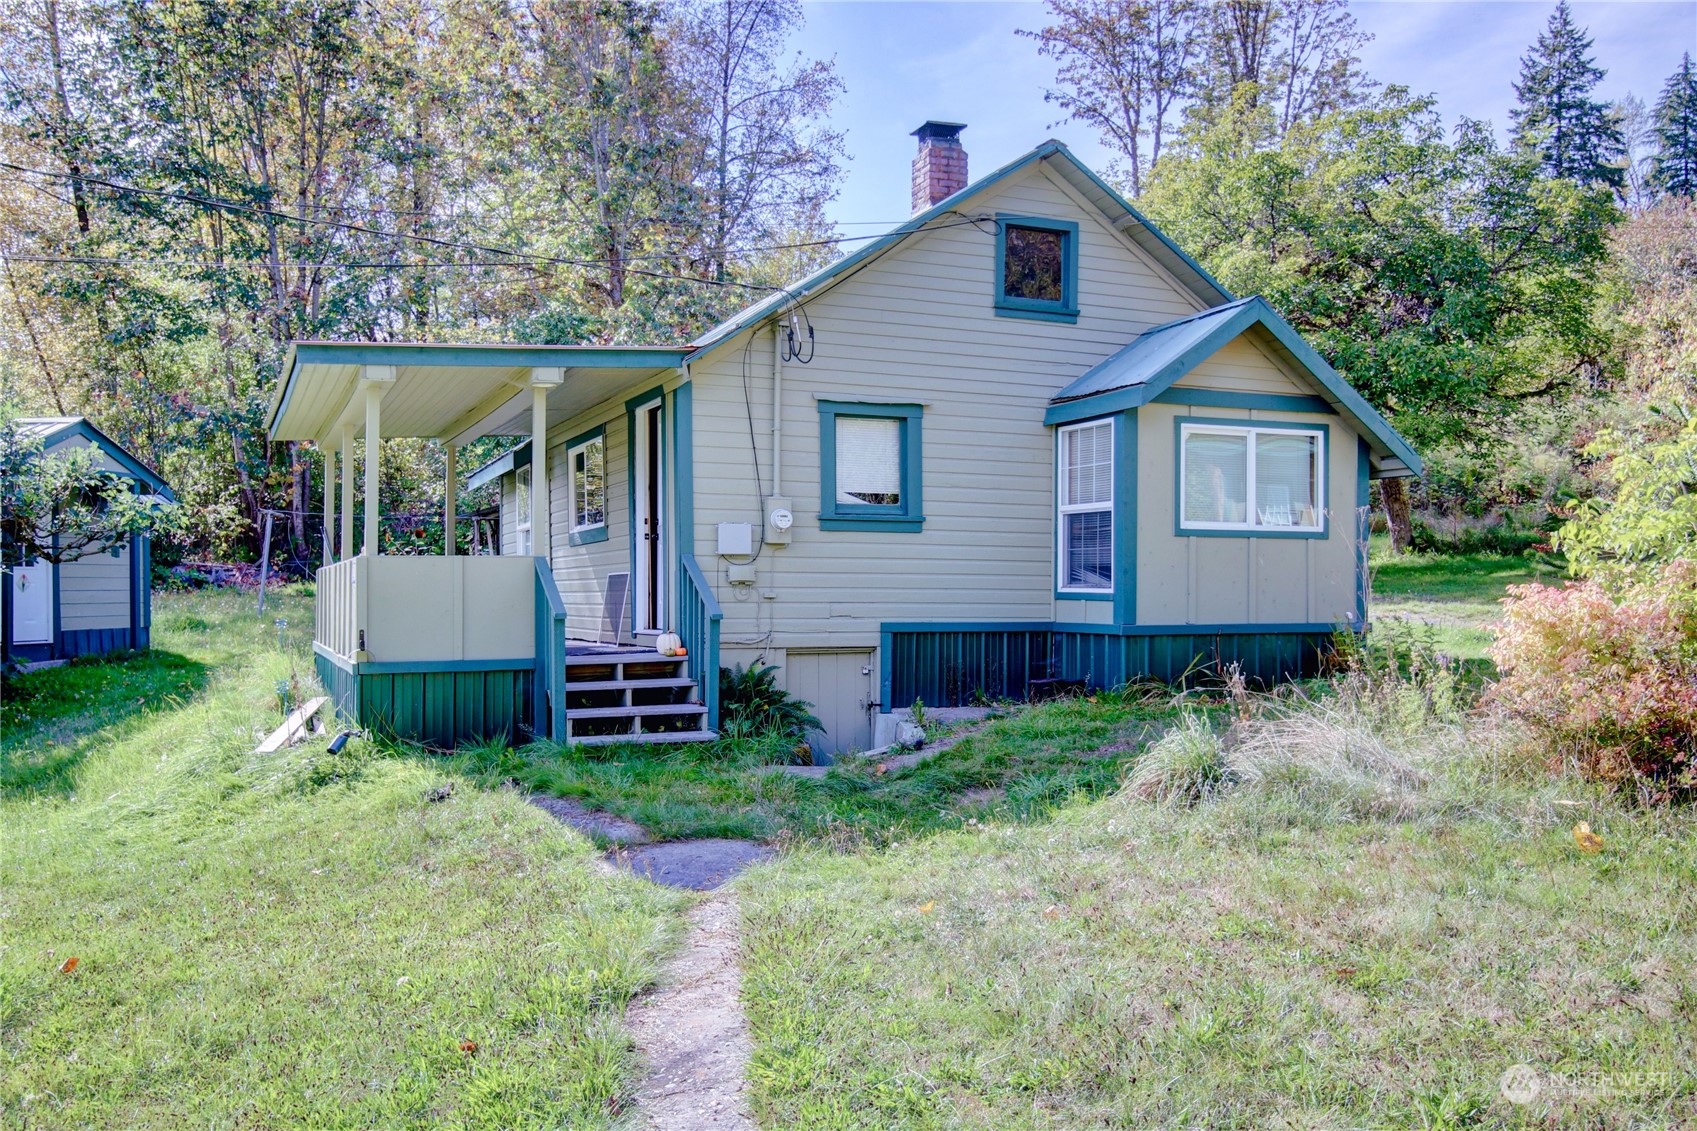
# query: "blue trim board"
[[906, 517], [1125, 517], [1009, 306], [1221, 629], [683, 475], [1363, 527], [1182, 531]]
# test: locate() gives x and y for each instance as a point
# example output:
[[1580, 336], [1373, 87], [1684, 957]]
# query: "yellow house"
[[1020, 437]]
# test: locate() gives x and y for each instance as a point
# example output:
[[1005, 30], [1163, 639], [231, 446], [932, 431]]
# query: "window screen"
[[869, 461], [1034, 264], [1220, 464], [589, 484], [1086, 502]]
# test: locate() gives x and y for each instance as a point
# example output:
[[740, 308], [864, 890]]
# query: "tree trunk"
[[1395, 496]]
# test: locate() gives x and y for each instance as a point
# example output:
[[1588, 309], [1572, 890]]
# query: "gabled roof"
[[1115, 208], [1157, 358], [55, 430]]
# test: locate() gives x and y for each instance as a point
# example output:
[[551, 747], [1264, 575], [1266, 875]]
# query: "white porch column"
[[541, 381], [375, 380], [450, 489], [329, 500], [345, 550]]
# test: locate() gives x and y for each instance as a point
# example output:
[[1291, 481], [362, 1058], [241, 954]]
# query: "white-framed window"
[[521, 509], [1251, 479], [588, 464], [1085, 502]]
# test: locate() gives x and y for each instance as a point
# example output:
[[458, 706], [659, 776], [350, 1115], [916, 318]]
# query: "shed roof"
[[55, 430]]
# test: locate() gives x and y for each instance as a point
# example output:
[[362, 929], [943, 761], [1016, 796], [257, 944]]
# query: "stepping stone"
[[699, 865], [591, 822]]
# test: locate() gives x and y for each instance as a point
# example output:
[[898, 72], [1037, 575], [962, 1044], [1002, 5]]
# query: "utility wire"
[[528, 258]]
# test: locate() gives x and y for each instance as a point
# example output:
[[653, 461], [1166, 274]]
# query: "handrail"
[[549, 708], [699, 616]]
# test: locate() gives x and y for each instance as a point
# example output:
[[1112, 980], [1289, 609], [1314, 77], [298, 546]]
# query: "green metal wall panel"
[[949, 667]]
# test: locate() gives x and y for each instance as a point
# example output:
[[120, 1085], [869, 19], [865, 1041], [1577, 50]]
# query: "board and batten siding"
[[94, 592], [918, 325]]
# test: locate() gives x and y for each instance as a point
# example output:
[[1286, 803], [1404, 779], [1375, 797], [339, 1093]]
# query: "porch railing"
[[336, 620], [550, 698], [698, 626]]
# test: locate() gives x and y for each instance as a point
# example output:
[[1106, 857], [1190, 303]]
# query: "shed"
[[96, 604]]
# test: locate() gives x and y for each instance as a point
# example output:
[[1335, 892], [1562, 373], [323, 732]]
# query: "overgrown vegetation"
[[752, 704], [298, 939], [1355, 903]]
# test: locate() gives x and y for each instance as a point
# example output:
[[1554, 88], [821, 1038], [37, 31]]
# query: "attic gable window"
[[1036, 268]]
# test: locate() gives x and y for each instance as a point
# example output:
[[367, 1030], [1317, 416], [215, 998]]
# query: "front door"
[[650, 606], [32, 604]]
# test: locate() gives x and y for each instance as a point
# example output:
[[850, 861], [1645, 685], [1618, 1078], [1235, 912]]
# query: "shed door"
[[839, 685], [32, 604]]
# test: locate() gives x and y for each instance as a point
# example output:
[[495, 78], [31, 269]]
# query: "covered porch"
[[451, 649]]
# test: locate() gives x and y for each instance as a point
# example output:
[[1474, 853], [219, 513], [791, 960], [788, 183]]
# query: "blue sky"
[[904, 62]]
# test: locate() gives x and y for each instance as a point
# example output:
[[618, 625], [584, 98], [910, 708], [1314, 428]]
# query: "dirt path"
[[691, 1030]]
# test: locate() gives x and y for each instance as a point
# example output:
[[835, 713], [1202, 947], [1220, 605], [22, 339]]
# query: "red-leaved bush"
[[1607, 686]]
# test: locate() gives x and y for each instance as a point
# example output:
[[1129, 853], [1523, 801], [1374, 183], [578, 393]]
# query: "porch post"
[[450, 488], [346, 548], [329, 501], [541, 381], [376, 380]]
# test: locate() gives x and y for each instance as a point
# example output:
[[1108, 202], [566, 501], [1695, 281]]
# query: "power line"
[[529, 258]]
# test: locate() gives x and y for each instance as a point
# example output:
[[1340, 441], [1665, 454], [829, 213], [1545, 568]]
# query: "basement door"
[[32, 604], [839, 685]]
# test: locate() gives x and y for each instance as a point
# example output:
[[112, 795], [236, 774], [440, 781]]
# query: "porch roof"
[[450, 392]]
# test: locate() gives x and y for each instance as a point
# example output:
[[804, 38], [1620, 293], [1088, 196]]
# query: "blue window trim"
[[1123, 592], [1041, 310], [908, 517], [1363, 527], [594, 533], [1182, 531]]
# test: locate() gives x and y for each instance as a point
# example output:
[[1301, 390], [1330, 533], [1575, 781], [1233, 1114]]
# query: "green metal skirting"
[[440, 709], [949, 666]]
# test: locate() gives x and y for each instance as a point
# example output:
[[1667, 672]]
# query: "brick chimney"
[[939, 168]]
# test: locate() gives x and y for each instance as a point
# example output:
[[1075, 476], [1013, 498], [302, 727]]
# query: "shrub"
[[751, 702], [1184, 765], [1607, 686]]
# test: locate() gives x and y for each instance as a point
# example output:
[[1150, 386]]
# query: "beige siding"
[[1215, 580], [94, 592], [918, 325], [1240, 367], [581, 571]]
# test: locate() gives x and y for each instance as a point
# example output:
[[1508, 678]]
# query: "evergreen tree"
[[1675, 170], [1573, 134]]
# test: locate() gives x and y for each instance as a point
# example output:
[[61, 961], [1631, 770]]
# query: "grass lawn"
[[1134, 965], [1022, 769], [1456, 594], [295, 940]]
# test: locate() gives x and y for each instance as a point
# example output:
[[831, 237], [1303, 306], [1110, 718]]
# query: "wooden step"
[[622, 684], [648, 737], [607, 659], [632, 712]]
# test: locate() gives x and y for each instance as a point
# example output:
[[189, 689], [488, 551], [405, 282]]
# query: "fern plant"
[[751, 698]]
